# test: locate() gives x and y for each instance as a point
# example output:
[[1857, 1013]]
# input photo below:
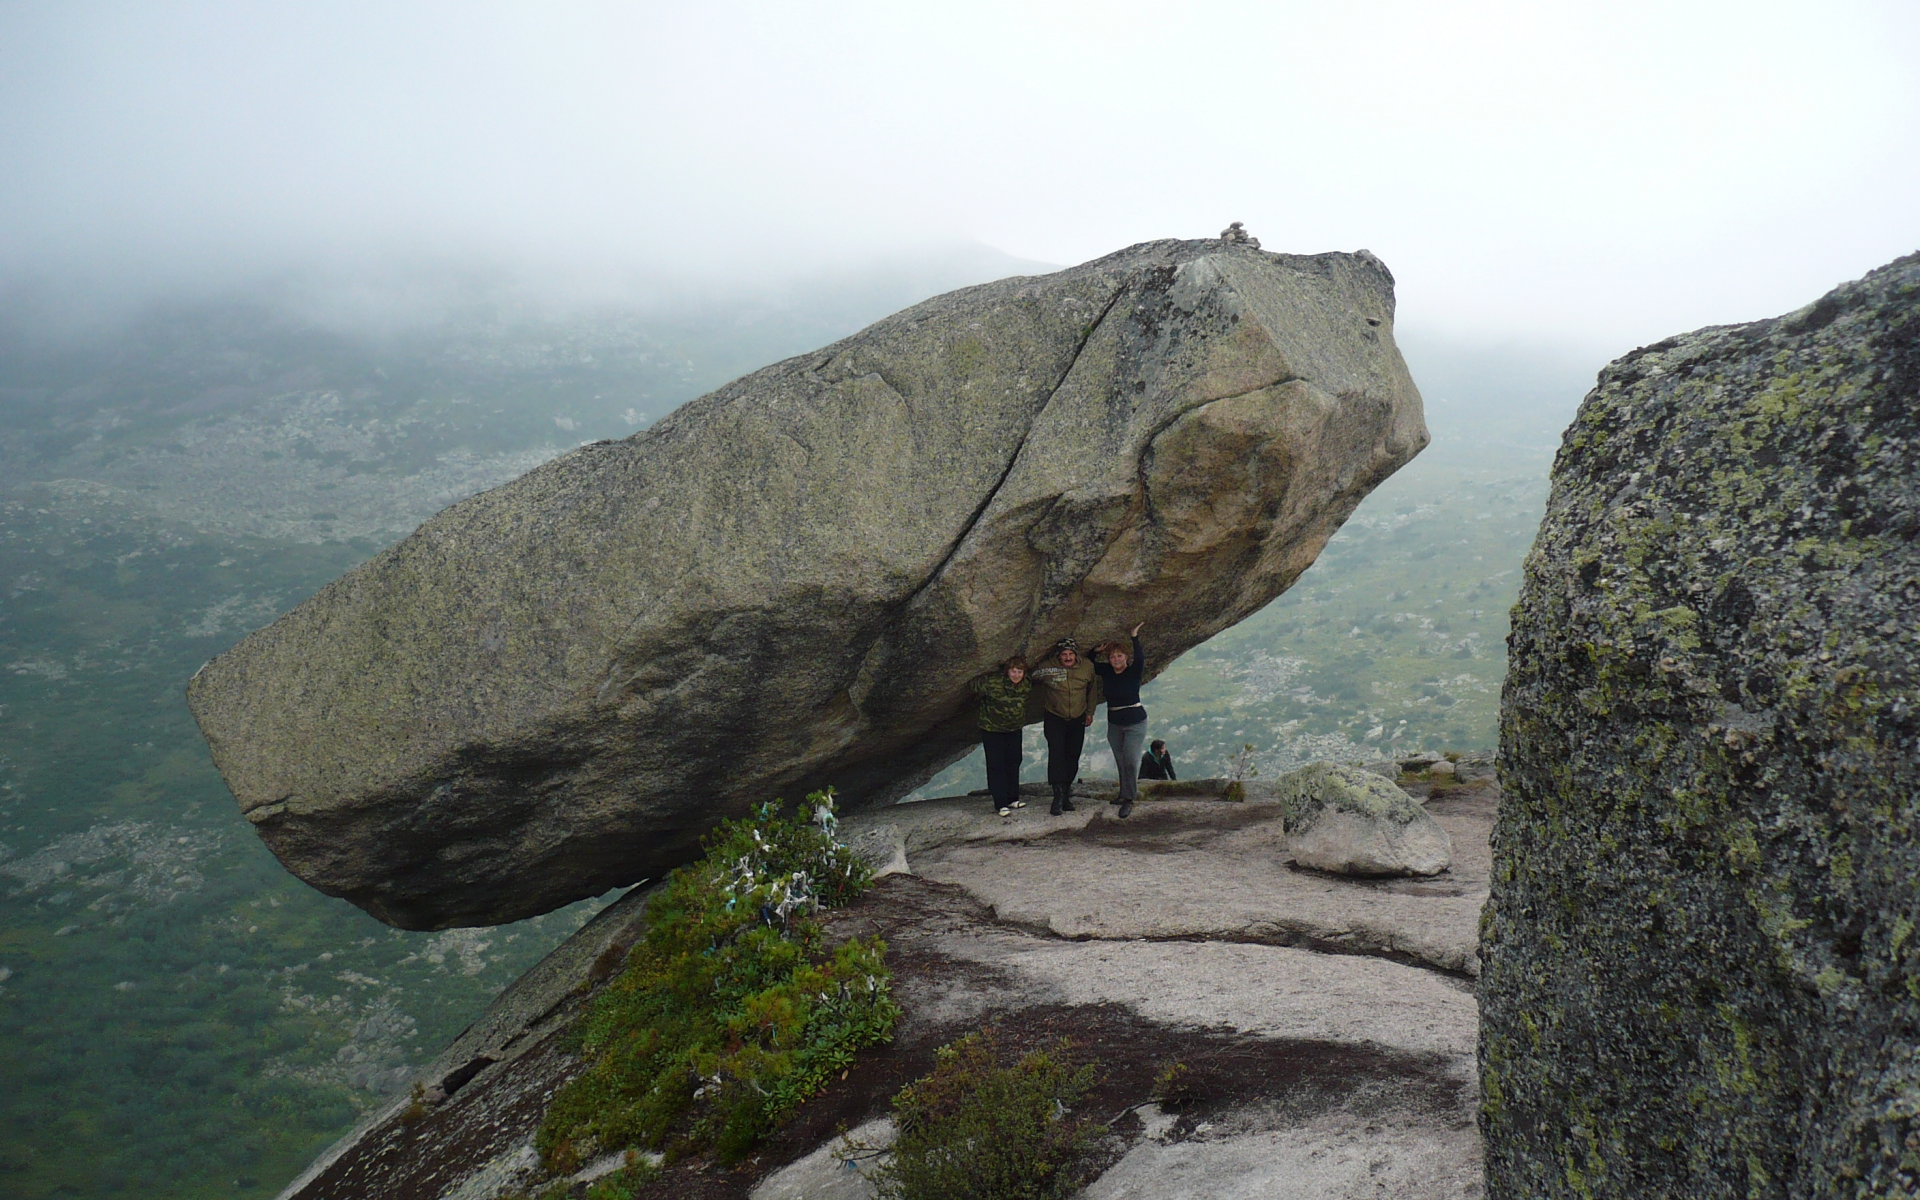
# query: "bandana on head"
[[1067, 643]]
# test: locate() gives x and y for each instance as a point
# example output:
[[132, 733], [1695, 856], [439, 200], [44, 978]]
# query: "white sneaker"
[[1019, 804], [1006, 812]]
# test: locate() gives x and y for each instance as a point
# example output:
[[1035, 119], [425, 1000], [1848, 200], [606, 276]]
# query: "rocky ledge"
[[1328, 1021]]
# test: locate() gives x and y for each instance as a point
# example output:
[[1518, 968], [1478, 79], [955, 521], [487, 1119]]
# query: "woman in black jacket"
[[1126, 717], [1156, 763]]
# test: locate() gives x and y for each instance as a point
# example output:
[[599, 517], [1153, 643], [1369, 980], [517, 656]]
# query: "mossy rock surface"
[[1700, 976], [555, 687], [1354, 822]]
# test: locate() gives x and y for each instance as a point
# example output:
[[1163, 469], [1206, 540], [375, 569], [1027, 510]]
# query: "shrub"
[[416, 1110], [1175, 1087], [1243, 770], [731, 1011], [974, 1129]]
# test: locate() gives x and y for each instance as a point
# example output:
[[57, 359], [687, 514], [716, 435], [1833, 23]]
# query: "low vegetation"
[[1176, 1087], [732, 1010], [980, 1128]]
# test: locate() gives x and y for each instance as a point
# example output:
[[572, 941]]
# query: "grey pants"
[[1129, 742]]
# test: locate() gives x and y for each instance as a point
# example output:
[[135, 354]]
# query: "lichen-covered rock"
[[556, 686], [1700, 975], [1352, 821]]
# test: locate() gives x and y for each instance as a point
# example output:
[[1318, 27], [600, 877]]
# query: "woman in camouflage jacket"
[[1002, 715]]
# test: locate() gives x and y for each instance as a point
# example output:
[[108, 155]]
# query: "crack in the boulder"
[[1283, 938], [1013, 460], [1142, 463], [609, 683]]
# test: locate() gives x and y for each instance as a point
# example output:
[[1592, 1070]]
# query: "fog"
[[1585, 174]]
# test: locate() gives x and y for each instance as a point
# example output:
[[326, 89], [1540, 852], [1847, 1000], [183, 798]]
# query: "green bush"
[[731, 1011], [1175, 1087], [975, 1129]]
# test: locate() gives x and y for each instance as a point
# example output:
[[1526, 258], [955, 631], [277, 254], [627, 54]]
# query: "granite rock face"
[[1700, 975], [1351, 821], [556, 686]]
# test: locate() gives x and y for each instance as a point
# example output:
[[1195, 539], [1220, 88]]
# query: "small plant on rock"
[[976, 1128], [732, 1010], [416, 1110], [1175, 1087], [1243, 770]]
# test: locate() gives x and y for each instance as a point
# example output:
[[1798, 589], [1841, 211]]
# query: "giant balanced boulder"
[[556, 686], [1701, 974]]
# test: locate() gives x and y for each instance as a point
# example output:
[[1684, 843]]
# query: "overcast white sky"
[[1595, 173]]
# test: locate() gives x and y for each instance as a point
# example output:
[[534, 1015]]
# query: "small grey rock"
[[1236, 235], [824, 1174], [882, 847], [1474, 767], [1353, 822]]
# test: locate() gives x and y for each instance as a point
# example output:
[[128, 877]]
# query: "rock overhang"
[[556, 686]]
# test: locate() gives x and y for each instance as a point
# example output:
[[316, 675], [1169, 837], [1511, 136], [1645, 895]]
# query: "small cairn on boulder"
[[1351, 821], [1236, 235]]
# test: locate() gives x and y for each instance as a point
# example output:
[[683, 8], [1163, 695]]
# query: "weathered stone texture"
[[1700, 975], [557, 686]]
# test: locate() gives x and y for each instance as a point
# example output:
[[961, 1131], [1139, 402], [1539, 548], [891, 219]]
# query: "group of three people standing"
[[1067, 688]]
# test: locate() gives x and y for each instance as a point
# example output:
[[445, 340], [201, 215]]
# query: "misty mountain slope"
[[1488, 400], [240, 421], [178, 1013]]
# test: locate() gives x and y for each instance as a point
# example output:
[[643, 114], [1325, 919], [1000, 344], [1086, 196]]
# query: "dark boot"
[[1066, 796], [1126, 809], [1057, 795]]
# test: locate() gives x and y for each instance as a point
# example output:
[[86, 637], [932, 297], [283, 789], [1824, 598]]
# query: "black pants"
[[1003, 764], [1065, 737]]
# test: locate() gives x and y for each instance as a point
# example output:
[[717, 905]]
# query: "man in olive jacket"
[[1067, 685]]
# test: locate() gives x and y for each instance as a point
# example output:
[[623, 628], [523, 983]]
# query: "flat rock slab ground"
[[1328, 1025], [1329, 1020], [1201, 869]]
